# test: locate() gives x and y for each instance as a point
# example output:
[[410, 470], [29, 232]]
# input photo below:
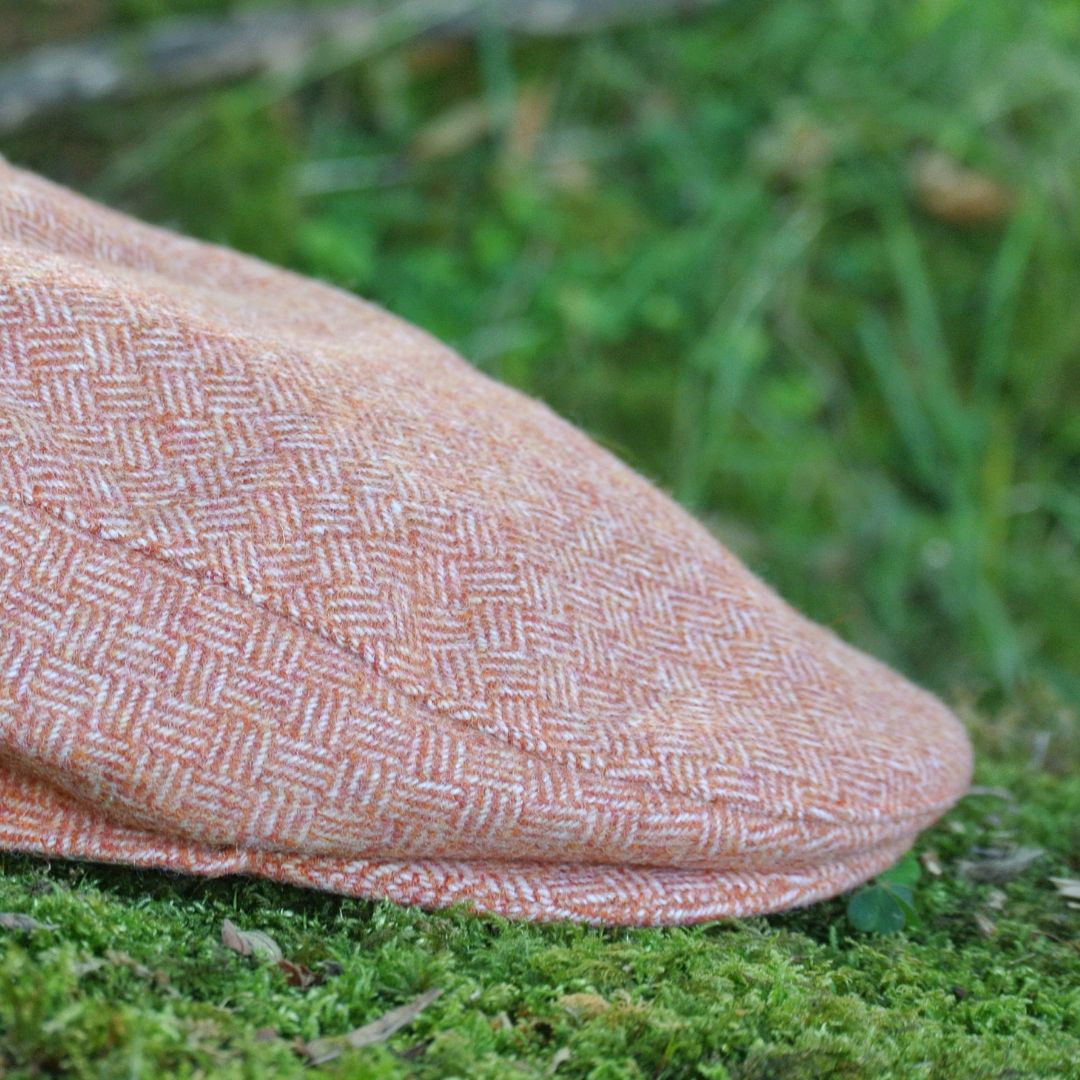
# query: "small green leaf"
[[888, 904], [901, 892], [906, 872], [876, 910], [905, 899]]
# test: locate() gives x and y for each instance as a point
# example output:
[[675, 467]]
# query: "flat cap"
[[289, 589]]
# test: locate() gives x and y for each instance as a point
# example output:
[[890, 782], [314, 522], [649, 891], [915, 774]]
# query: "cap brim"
[[38, 819]]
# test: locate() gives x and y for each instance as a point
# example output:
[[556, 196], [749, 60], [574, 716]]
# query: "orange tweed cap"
[[288, 589]]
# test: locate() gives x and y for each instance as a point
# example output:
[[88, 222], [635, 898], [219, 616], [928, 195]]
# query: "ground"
[[812, 268]]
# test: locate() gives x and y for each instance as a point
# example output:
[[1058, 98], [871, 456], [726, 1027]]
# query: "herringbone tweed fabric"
[[286, 588]]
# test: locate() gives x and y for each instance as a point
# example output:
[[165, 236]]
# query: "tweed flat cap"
[[288, 589]]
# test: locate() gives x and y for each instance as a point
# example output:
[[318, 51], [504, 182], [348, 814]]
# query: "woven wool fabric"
[[288, 589]]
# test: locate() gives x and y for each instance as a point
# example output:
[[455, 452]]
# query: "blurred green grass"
[[703, 243]]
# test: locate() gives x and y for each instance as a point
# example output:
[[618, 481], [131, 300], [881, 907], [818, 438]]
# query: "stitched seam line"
[[136, 833], [200, 574]]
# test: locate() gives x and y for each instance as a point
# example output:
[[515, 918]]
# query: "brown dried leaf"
[[13, 920], [250, 943], [319, 1051], [956, 194], [297, 975]]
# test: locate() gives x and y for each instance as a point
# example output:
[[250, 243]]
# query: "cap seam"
[[65, 516]]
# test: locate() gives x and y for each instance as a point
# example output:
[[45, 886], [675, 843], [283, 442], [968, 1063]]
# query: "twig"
[[323, 1050], [180, 54]]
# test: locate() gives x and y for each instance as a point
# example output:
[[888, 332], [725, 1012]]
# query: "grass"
[[708, 243]]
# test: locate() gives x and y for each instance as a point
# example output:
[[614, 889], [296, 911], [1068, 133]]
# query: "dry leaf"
[[930, 863], [956, 194], [250, 943], [297, 975], [319, 1051], [1000, 867], [560, 1057], [588, 1005], [11, 920], [1067, 887], [985, 924]]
